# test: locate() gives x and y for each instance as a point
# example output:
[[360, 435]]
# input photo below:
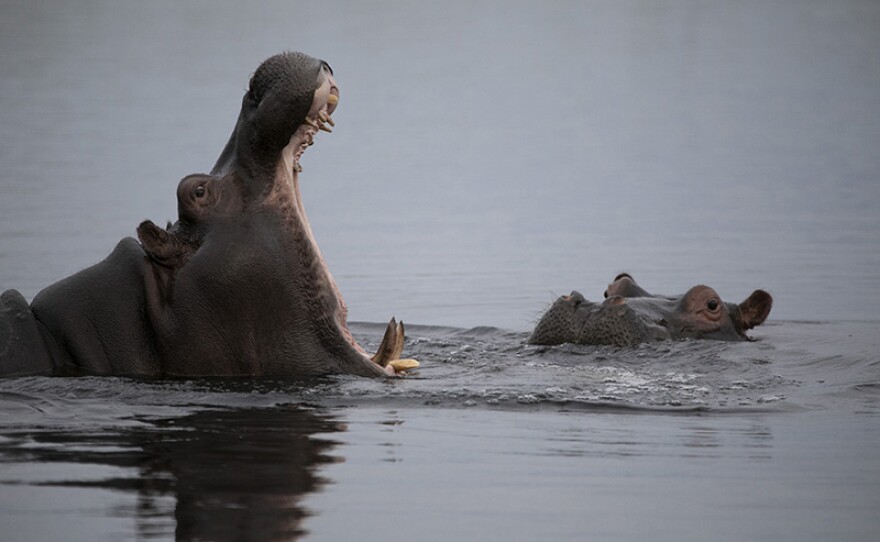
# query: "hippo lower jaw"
[[287, 196]]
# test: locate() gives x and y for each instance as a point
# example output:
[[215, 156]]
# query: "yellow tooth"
[[386, 350], [312, 122], [326, 117], [324, 128], [333, 99], [403, 364]]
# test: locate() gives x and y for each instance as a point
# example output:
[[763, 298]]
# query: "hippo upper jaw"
[[284, 93]]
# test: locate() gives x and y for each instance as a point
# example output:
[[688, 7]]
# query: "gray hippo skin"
[[236, 287], [630, 315]]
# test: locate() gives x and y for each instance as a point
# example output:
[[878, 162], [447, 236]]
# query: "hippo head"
[[241, 269], [630, 315], [290, 97]]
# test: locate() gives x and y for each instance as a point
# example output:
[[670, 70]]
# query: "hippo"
[[235, 287], [630, 315]]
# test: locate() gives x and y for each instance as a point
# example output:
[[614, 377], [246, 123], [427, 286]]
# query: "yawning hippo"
[[237, 286], [630, 315]]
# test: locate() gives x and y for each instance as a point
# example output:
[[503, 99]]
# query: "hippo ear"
[[755, 309], [163, 247]]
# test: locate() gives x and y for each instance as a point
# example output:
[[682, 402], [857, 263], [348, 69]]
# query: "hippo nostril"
[[712, 304]]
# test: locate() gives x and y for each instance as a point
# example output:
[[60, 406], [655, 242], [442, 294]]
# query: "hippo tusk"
[[391, 347], [392, 344]]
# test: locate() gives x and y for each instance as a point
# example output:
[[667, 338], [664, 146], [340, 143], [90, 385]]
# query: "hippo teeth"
[[392, 344], [325, 117], [403, 364], [391, 347]]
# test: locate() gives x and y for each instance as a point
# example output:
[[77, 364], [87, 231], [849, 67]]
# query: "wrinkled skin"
[[236, 287], [630, 315]]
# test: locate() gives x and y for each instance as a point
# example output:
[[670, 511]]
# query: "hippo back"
[[97, 319]]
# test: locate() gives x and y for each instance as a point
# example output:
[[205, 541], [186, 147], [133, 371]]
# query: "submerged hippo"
[[237, 286], [630, 315]]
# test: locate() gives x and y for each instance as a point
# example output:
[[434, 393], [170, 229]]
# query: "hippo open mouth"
[[319, 118], [236, 287], [243, 231]]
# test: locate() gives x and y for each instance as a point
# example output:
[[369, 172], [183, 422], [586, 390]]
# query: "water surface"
[[493, 440], [486, 158]]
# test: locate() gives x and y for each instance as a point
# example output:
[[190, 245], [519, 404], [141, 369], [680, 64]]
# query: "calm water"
[[486, 158]]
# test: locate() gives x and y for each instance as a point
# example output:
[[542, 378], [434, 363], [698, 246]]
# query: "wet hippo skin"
[[630, 315], [236, 287]]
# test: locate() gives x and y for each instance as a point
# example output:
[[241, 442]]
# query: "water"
[[492, 440], [486, 158]]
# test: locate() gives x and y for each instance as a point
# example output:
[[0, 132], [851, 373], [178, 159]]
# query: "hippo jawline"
[[285, 194]]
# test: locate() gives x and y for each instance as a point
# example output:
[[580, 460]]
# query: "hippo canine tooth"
[[333, 99], [392, 344]]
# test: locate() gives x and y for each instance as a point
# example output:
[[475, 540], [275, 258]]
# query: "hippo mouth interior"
[[318, 119], [324, 103]]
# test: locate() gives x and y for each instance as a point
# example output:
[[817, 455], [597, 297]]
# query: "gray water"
[[487, 158]]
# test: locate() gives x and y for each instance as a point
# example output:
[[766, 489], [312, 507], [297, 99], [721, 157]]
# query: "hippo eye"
[[200, 191], [712, 304]]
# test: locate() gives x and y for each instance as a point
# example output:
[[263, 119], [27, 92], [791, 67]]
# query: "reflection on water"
[[211, 461], [229, 474], [530, 475]]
